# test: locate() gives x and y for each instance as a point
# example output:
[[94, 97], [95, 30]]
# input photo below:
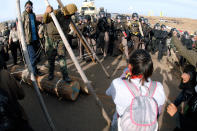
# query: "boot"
[[51, 76]]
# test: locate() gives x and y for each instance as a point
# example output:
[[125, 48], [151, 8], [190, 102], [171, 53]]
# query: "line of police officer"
[[104, 35], [122, 35]]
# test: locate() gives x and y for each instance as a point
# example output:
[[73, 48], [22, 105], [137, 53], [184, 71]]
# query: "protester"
[[14, 43], [12, 115], [31, 34], [187, 120], [54, 44], [140, 69]]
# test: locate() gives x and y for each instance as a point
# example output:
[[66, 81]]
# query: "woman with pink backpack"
[[138, 99]]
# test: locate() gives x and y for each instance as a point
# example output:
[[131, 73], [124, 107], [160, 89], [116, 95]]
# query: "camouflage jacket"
[[51, 29]]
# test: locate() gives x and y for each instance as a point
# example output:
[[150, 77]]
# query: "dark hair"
[[191, 70], [142, 64], [29, 2]]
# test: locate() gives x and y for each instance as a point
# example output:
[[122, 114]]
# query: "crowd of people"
[[130, 36]]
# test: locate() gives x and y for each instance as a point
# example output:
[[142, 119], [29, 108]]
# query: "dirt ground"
[[84, 114]]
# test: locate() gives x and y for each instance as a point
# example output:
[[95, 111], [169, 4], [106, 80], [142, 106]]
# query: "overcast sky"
[[172, 8]]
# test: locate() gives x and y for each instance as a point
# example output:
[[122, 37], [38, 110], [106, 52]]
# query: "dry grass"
[[184, 24]]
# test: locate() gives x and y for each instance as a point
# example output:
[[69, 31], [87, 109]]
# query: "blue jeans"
[[32, 57]]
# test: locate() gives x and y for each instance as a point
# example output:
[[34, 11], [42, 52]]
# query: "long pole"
[[83, 76], [24, 48], [82, 38], [84, 41]]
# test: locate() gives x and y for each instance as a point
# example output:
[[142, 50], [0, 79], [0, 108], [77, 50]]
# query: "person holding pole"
[[54, 45], [31, 35]]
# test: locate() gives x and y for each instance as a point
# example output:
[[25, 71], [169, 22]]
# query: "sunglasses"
[[28, 7]]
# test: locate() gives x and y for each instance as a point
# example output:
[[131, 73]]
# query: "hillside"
[[180, 23], [184, 24]]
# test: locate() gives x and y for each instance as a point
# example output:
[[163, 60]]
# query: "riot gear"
[[146, 21], [141, 19], [157, 26], [88, 17], [163, 27], [135, 15], [102, 14]]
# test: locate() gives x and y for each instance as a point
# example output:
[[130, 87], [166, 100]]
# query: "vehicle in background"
[[88, 8]]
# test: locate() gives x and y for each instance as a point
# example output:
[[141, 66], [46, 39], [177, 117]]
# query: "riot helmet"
[[87, 17], [135, 16], [141, 19], [146, 21], [102, 14], [163, 27], [157, 26]]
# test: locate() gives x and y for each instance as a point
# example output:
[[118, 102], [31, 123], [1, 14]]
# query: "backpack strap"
[[152, 88], [132, 88]]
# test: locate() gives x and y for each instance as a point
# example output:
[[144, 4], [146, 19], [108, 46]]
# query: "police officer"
[[80, 25], [146, 31], [120, 43], [103, 34], [155, 38], [162, 42], [111, 34], [89, 32], [134, 28], [54, 44], [186, 40]]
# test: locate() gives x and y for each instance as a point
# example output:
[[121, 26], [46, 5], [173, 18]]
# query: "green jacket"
[[51, 29], [190, 55], [27, 26]]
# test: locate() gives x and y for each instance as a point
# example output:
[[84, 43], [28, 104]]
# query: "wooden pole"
[[84, 41], [82, 38], [25, 52], [78, 66]]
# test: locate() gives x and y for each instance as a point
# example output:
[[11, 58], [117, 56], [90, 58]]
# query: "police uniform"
[[155, 41], [81, 48], [89, 32], [146, 30], [135, 33], [103, 35], [120, 42]]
